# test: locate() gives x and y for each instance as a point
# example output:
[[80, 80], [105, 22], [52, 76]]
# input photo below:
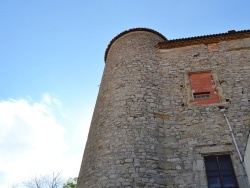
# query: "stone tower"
[[162, 113]]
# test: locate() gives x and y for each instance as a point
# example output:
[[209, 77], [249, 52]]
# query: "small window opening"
[[202, 95]]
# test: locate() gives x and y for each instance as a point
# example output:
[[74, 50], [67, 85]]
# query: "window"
[[220, 172], [202, 95], [203, 88]]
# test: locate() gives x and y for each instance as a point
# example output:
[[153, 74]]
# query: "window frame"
[[219, 170]]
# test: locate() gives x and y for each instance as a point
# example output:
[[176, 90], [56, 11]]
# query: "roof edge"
[[205, 39], [130, 31]]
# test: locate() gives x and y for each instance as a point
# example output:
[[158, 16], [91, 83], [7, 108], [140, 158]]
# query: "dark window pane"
[[227, 173], [225, 163], [211, 163], [214, 182], [229, 181], [212, 173]]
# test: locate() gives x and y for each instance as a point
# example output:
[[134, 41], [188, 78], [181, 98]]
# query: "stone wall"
[[197, 127], [146, 132]]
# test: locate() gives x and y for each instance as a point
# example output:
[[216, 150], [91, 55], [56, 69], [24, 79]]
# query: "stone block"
[[166, 165], [216, 149]]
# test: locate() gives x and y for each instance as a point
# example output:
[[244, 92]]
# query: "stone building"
[[164, 113]]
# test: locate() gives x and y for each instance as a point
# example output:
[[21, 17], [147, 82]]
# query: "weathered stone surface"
[[162, 116], [166, 165], [216, 149], [146, 132]]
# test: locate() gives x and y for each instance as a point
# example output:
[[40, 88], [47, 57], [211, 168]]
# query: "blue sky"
[[51, 63]]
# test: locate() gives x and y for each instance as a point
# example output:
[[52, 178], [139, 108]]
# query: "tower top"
[[130, 31]]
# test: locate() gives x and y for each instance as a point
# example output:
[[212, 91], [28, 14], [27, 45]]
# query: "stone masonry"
[[147, 131]]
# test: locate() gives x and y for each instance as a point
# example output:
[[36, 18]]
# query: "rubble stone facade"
[[147, 129]]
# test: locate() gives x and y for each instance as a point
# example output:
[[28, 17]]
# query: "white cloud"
[[48, 99], [32, 141]]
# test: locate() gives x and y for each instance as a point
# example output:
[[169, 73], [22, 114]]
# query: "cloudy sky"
[[51, 62]]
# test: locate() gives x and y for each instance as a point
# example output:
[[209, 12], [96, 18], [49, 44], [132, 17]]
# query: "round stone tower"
[[122, 148]]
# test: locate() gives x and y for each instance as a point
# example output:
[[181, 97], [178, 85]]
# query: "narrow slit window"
[[202, 95]]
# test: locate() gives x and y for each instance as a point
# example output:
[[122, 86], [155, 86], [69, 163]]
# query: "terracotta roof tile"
[[206, 39]]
